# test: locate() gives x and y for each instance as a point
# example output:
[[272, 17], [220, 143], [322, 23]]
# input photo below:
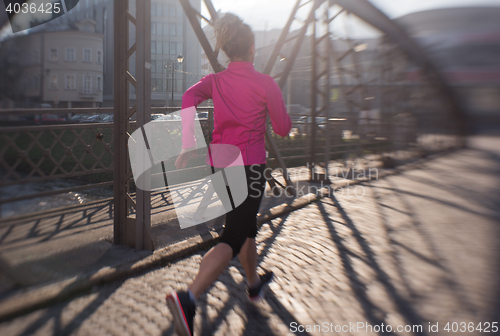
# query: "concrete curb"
[[42, 297]]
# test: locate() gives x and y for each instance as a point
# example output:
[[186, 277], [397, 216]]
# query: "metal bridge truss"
[[131, 230], [326, 61]]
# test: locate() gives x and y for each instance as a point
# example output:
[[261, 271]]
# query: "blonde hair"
[[233, 36]]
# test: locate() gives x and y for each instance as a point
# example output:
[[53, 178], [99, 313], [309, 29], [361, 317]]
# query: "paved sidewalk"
[[410, 249]]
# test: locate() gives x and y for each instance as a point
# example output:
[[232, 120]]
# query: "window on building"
[[153, 9], [159, 85], [172, 29], [35, 83], [99, 83], [159, 10], [153, 28], [70, 82], [179, 29], [87, 3], [165, 10], [179, 48], [180, 12], [173, 49], [165, 47], [178, 85], [35, 56], [153, 85], [159, 66], [159, 28], [87, 55], [159, 47], [70, 54], [87, 84], [172, 10], [166, 30], [99, 56], [53, 82], [153, 66], [54, 54], [153, 47]]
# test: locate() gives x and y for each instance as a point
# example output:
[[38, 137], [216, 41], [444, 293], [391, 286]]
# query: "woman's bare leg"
[[248, 259], [211, 266]]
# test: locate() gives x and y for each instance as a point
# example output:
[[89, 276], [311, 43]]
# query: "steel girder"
[[130, 230], [361, 8], [370, 14], [212, 56]]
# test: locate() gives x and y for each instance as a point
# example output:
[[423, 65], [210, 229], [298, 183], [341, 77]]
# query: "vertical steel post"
[[120, 121], [143, 101], [312, 128], [326, 93], [129, 230]]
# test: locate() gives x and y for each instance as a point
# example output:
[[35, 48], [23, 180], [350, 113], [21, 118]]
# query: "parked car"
[[202, 115], [78, 117], [91, 119], [49, 118], [155, 116], [166, 117], [304, 124], [106, 119]]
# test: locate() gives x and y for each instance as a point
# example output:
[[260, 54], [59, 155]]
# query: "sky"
[[277, 12]]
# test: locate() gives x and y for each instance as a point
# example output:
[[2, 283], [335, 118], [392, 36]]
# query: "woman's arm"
[[282, 124], [196, 94]]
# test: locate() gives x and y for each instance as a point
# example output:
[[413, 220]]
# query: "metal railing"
[[44, 153]]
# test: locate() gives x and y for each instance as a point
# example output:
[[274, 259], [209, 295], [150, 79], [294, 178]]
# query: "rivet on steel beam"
[[88, 149], [99, 136], [69, 150]]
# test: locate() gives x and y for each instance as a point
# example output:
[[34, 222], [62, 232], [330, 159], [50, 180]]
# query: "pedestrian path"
[[408, 250]]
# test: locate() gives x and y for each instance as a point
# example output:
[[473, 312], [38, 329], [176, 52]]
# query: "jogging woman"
[[243, 99]]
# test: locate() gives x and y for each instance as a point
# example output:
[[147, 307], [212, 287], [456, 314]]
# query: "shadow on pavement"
[[256, 322], [372, 312], [55, 313], [495, 206]]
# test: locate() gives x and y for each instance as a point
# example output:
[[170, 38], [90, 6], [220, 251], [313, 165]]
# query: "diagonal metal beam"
[[200, 34], [281, 40], [212, 57], [211, 10], [298, 43]]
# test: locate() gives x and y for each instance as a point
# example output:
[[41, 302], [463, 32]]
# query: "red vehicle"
[[49, 119]]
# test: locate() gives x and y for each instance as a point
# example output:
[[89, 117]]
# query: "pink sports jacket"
[[243, 98]]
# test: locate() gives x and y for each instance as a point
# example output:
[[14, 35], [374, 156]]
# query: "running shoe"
[[183, 310], [255, 293]]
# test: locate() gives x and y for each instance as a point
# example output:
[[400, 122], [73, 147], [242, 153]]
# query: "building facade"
[[73, 65], [61, 65], [171, 36]]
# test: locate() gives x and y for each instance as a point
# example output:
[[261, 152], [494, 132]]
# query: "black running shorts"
[[241, 223]]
